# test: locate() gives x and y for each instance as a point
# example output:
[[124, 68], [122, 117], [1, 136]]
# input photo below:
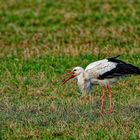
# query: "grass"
[[41, 40]]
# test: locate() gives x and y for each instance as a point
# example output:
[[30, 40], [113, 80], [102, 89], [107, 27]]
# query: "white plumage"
[[100, 67]]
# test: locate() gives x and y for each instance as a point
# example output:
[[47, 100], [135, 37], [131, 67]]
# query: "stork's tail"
[[123, 67], [130, 69], [137, 70]]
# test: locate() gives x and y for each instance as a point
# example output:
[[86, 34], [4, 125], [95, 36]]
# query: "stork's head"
[[73, 74], [77, 71]]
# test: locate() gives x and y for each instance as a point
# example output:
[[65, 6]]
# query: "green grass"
[[40, 41]]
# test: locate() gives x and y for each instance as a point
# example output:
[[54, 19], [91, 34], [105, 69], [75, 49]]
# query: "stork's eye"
[[74, 70]]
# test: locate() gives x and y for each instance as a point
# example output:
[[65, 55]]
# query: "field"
[[42, 40]]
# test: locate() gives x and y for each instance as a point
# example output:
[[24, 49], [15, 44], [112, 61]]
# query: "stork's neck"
[[84, 83], [81, 77]]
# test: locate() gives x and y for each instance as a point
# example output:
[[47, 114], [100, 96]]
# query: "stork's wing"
[[98, 68], [109, 68]]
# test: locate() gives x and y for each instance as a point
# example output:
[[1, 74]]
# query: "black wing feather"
[[121, 69]]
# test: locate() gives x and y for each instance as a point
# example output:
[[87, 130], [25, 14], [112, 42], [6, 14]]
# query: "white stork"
[[103, 72]]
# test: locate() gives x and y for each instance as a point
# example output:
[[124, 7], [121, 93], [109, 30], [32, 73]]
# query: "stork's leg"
[[110, 96], [102, 100]]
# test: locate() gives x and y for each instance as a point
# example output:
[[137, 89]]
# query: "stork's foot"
[[102, 111], [110, 111], [102, 100], [102, 104]]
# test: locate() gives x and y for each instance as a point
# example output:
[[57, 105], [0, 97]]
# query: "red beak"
[[67, 74]]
